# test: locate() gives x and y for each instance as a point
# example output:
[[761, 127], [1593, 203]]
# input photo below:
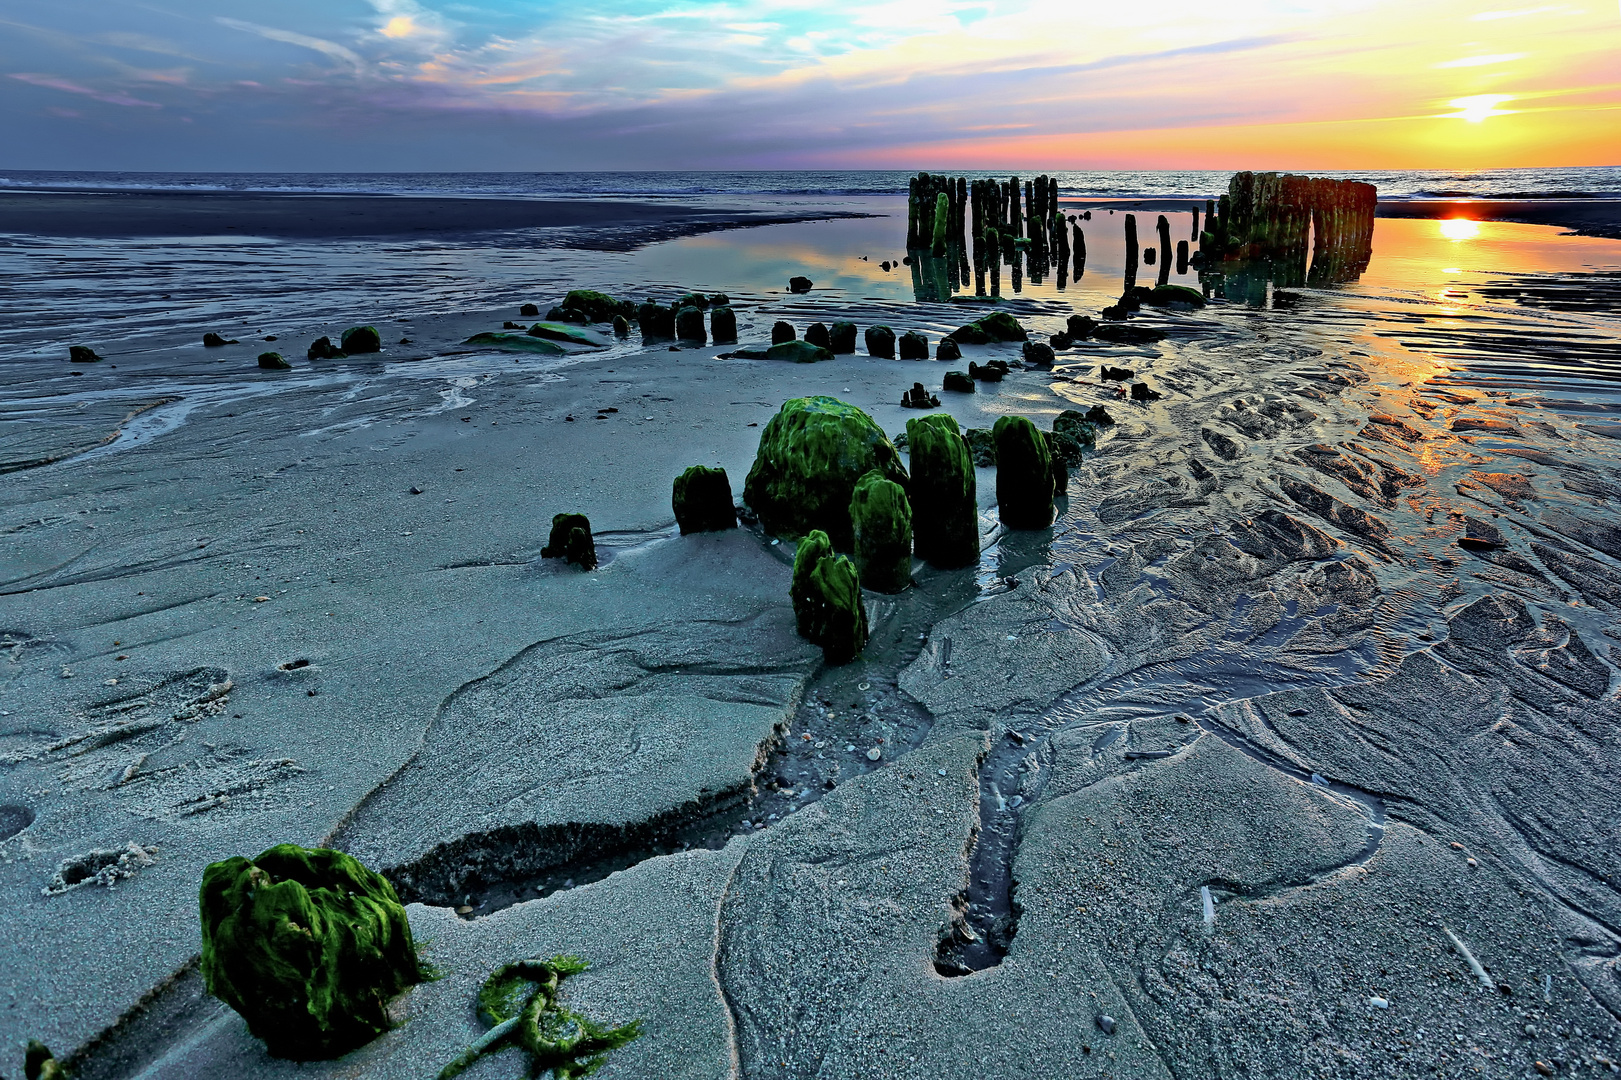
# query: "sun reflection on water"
[[1460, 229]]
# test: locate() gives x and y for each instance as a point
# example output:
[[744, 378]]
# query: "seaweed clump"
[[555, 1038], [571, 541], [811, 455], [308, 945], [826, 592], [597, 306], [40, 1064]]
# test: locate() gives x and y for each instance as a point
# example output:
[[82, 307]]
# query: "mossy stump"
[[272, 361], [723, 325], [1024, 474], [323, 349], [881, 516], [689, 325], [308, 946], [702, 499], [913, 346], [816, 333], [361, 339], [811, 455], [656, 321], [597, 306], [842, 337], [944, 493], [826, 593], [571, 541], [881, 342], [782, 331]]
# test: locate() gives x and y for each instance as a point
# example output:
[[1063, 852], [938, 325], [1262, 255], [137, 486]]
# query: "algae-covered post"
[[1181, 256], [882, 519], [571, 541], [826, 594], [945, 512], [1080, 252], [1194, 236], [702, 500], [1024, 474]]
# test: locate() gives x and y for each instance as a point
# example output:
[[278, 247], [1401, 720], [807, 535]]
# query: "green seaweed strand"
[[557, 1040]]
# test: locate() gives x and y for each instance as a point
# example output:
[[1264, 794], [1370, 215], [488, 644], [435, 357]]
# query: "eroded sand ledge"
[[1280, 529]]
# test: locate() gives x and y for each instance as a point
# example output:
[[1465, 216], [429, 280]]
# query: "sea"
[[1589, 182]]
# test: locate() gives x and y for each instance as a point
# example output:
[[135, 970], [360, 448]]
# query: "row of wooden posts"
[[1261, 228]]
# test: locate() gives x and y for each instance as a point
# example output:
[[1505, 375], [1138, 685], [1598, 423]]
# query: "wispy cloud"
[[320, 45], [53, 82]]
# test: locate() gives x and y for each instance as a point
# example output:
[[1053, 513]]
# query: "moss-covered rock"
[[882, 519], [1024, 474], [971, 334], [529, 311], [272, 361], [957, 382], [811, 455], [323, 349], [1003, 327], [800, 284], [1074, 434], [557, 331], [308, 946], [621, 326], [1055, 452], [515, 343], [722, 324], [816, 333], [798, 352], [693, 300], [656, 321], [702, 499], [689, 324], [83, 354], [1038, 354], [1080, 326], [992, 371], [361, 339], [913, 346], [1166, 295], [212, 340], [519, 1002], [944, 493], [947, 350], [782, 331], [719, 299], [596, 306], [881, 342], [842, 337], [571, 541], [982, 445], [826, 593]]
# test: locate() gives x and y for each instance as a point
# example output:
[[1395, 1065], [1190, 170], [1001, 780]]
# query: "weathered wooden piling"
[[1164, 228], [1131, 251], [1181, 256], [1079, 244]]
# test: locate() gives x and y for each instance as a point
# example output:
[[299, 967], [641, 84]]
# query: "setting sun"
[[1479, 107], [1460, 229]]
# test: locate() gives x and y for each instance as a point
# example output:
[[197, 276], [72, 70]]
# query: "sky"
[[496, 85]]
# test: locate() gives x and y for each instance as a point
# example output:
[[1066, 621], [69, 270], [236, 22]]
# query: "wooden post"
[[1131, 251], [1164, 227]]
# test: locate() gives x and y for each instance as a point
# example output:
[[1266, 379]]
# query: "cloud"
[[115, 97], [320, 45], [1482, 61]]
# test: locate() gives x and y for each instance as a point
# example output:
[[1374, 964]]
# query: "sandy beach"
[[1295, 733]]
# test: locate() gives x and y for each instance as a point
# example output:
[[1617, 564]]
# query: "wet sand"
[[317, 217], [1252, 658]]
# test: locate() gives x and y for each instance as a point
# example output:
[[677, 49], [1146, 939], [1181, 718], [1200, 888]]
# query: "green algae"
[[1164, 295], [361, 339], [944, 492], [881, 516], [558, 1040], [702, 499], [516, 343], [571, 541], [557, 331], [689, 324], [811, 454], [308, 945], [723, 324], [1003, 327], [1024, 474], [826, 593], [273, 361]]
